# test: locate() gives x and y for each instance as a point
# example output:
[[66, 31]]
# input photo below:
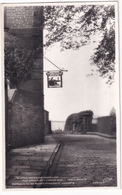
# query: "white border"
[[119, 70]]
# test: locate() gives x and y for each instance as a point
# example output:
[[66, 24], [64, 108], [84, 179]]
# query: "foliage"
[[104, 56], [18, 61], [77, 120], [113, 119], [113, 112], [74, 26]]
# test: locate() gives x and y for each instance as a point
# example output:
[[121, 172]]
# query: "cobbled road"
[[83, 161]]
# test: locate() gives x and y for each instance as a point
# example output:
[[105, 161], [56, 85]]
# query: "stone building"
[[26, 120]]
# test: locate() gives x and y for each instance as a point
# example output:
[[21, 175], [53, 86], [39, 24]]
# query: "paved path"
[[83, 161], [72, 161], [26, 165]]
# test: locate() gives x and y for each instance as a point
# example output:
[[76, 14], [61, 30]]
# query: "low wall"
[[104, 125]]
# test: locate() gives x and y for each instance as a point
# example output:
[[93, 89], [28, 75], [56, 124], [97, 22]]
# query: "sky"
[[79, 92]]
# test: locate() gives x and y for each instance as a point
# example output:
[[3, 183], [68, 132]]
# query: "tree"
[[18, 61], [113, 119], [73, 26], [79, 122]]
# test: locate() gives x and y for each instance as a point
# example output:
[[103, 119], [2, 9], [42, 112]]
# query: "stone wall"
[[104, 125], [94, 128], [47, 125], [26, 119]]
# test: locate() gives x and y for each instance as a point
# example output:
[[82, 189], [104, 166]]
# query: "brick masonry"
[[26, 116], [18, 17]]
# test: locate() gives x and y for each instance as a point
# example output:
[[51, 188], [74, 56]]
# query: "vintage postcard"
[[61, 95]]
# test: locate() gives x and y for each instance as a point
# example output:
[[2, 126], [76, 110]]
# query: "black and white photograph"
[[61, 86]]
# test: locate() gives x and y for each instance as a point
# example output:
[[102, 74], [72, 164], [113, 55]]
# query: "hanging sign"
[[54, 79]]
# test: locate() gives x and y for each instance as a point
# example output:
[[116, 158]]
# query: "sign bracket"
[[54, 77]]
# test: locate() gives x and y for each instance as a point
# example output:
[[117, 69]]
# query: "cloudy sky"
[[79, 92]]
